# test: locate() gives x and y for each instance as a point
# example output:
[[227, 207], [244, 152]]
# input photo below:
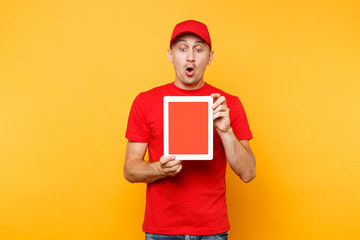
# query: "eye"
[[198, 50], [182, 49]]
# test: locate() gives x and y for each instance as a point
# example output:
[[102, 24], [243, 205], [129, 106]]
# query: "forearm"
[[241, 160], [142, 171]]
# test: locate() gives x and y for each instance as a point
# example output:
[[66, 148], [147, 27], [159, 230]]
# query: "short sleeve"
[[138, 127], [239, 122]]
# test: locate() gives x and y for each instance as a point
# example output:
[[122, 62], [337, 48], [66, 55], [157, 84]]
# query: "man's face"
[[190, 56]]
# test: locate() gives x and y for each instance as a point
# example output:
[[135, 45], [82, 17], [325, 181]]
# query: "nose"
[[190, 56]]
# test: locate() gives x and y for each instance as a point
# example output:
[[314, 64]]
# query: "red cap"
[[191, 27]]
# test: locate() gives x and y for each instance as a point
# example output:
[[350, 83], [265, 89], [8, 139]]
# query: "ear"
[[211, 56], [170, 55]]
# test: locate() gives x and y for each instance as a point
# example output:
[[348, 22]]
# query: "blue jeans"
[[221, 236]]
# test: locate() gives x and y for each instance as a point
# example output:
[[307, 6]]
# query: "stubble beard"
[[189, 81]]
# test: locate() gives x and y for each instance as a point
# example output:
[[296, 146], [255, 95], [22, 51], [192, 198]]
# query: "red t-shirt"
[[193, 202]]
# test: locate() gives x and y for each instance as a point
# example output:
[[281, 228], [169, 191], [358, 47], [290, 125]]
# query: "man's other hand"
[[170, 166], [221, 113]]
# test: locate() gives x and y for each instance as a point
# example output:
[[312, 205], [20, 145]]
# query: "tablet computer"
[[188, 127]]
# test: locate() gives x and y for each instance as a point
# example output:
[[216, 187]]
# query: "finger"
[[219, 109], [219, 115], [172, 163], [164, 160], [176, 172], [172, 169], [219, 101], [215, 95]]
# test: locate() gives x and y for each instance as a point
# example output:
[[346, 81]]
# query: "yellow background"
[[69, 71]]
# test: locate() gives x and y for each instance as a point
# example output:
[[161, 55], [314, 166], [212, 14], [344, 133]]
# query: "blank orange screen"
[[188, 128]]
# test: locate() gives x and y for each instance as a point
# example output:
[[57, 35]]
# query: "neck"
[[193, 86]]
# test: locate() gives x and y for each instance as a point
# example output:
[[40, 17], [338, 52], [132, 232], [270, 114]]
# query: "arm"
[[240, 157], [136, 169], [238, 153]]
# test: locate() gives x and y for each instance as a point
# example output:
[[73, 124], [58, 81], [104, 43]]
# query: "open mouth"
[[189, 71]]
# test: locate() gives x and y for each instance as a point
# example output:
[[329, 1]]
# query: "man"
[[186, 199]]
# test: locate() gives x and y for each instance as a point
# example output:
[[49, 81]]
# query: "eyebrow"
[[197, 41]]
